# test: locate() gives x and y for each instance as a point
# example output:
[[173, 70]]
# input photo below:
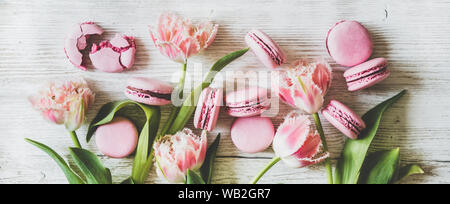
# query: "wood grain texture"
[[411, 34]]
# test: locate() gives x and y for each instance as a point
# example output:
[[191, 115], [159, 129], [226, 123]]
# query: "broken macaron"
[[76, 41], [115, 55]]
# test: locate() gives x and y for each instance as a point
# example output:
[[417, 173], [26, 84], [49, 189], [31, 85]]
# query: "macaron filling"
[[148, 94], [248, 107], [344, 118], [270, 50]]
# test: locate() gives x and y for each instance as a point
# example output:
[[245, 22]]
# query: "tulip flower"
[[64, 102], [296, 143], [176, 154], [305, 84], [179, 39]]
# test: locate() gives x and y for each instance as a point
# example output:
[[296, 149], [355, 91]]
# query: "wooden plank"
[[412, 35]]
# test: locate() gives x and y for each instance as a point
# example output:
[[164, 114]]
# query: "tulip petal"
[[75, 117], [291, 134]]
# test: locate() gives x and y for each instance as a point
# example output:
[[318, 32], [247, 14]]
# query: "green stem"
[[75, 140], [325, 147], [270, 165], [175, 110]]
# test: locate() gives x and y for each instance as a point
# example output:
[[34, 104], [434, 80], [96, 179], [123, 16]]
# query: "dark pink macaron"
[[349, 43], [344, 119], [247, 102], [149, 91], [267, 50], [208, 109], [367, 74], [252, 134]]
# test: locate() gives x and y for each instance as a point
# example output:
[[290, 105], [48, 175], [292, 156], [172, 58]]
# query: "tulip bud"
[[297, 143]]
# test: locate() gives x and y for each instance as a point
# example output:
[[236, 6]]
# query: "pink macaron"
[[117, 139], [252, 134], [115, 55], [76, 41], [267, 51], [344, 119], [367, 74], [149, 91], [208, 109], [349, 43], [247, 102]]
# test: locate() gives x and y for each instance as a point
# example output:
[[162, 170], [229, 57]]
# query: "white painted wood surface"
[[412, 34]]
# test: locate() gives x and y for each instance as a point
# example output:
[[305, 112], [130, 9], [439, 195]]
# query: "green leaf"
[[207, 168], [349, 166], [144, 156], [193, 178], [71, 176], [409, 171], [188, 107], [127, 108], [129, 180], [91, 166], [380, 167]]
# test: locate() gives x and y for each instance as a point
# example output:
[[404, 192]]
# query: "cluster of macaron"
[[250, 132], [115, 55], [349, 43]]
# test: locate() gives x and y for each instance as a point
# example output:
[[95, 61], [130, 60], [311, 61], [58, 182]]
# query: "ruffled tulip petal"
[[291, 134], [178, 39], [60, 101], [175, 154]]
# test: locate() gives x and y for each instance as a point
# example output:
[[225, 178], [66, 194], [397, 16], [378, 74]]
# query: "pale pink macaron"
[[115, 55], [344, 119], [149, 91], [247, 102], [117, 139], [349, 43], [367, 74], [267, 50], [76, 41], [208, 109], [252, 134]]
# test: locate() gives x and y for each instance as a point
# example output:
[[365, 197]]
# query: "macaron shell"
[[150, 84], [106, 60], [349, 43], [338, 124], [261, 51], [245, 96], [252, 134], [76, 40], [117, 139]]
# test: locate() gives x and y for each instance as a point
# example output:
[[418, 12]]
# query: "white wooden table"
[[413, 35]]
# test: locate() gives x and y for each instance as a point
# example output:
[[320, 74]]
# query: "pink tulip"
[[179, 39], [175, 154], [305, 84], [297, 143], [64, 102]]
